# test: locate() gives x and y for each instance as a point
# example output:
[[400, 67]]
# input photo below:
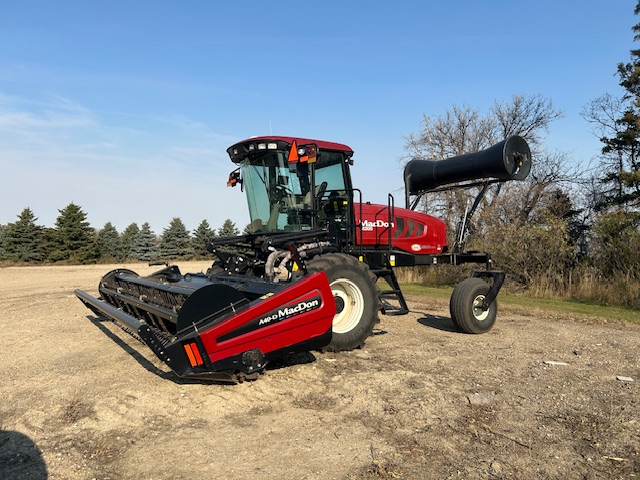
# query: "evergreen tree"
[[108, 243], [175, 241], [201, 238], [3, 229], [617, 123], [74, 239], [228, 229], [128, 239], [22, 241], [49, 242], [145, 247]]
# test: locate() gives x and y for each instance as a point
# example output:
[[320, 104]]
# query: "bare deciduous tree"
[[510, 213]]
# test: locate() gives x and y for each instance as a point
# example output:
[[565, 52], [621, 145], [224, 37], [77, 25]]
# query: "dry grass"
[[581, 284]]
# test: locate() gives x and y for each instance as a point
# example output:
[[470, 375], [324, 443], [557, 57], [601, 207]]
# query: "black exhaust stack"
[[507, 160]]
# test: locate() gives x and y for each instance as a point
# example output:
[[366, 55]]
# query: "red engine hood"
[[411, 231]]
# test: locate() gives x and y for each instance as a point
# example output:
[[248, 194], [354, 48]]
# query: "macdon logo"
[[286, 312], [368, 225]]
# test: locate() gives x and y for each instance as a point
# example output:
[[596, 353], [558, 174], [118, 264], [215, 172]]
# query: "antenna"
[[270, 132]]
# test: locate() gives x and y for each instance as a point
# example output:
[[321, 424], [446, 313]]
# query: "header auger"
[[307, 276]]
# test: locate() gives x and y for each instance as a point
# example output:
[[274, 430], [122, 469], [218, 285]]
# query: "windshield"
[[279, 192]]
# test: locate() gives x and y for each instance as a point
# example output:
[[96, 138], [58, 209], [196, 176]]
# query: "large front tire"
[[356, 296], [465, 306]]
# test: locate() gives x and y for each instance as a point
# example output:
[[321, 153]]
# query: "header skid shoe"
[[219, 332]]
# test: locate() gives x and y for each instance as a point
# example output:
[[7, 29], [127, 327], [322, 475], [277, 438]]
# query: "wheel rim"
[[347, 294], [478, 312]]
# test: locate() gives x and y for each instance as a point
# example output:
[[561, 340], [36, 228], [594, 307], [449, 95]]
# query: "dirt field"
[[80, 399]]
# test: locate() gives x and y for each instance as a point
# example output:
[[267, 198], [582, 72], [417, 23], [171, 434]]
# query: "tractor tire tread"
[[337, 265], [461, 306]]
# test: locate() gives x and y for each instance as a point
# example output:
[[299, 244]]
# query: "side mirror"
[[234, 178]]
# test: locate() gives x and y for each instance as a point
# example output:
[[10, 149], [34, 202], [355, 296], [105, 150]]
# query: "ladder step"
[[382, 272], [389, 309], [389, 293], [393, 294]]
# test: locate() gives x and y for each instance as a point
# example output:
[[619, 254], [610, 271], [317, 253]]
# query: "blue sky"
[[126, 108]]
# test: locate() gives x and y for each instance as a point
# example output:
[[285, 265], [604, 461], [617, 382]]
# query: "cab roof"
[[239, 151]]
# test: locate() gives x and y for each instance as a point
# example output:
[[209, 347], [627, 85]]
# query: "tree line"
[[73, 240]]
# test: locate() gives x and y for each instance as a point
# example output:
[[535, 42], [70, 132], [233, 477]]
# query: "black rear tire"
[[357, 299], [465, 306]]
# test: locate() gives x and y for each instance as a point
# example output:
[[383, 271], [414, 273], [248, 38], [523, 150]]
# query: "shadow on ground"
[[437, 321], [20, 458]]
